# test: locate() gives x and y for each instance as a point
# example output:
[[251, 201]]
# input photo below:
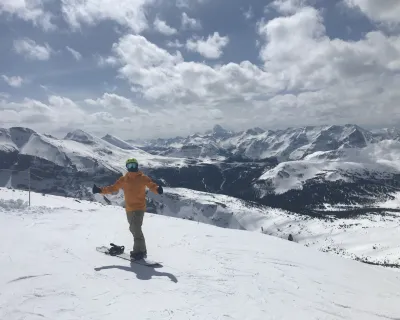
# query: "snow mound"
[[207, 273], [11, 204]]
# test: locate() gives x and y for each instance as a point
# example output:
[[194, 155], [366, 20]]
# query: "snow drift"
[[54, 272]]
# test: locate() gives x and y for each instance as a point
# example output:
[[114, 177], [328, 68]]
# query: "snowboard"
[[125, 256]]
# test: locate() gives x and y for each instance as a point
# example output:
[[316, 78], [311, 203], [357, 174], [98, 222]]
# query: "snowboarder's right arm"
[[113, 188]]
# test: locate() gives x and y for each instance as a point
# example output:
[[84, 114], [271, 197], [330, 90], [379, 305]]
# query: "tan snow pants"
[[135, 220]]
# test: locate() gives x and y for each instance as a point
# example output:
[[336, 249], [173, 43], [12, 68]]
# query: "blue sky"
[[152, 68]]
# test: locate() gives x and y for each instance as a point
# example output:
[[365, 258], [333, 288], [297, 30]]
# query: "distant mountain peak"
[[118, 142], [80, 136], [254, 131], [219, 132], [219, 129]]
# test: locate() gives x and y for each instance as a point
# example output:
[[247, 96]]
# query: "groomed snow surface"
[[50, 270]]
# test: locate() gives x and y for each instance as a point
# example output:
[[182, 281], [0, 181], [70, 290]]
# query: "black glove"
[[96, 189], [160, 190]]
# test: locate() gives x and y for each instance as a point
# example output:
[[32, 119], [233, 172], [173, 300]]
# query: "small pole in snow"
[[29, 177]]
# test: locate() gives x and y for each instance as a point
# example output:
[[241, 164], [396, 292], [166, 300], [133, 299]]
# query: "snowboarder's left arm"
[[152, 186]]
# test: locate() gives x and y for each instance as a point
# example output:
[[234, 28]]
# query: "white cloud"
[[31, 50], [298, 49], [287, 6], [337, 81], [104, 61], [29, 10], [189, 3], [211, 47], [129, 13], [167, 78], [77, 56], [175, 44], [108, 114], [305, 78], [114, 103], [58, 111], [189, 23], [249, 14], [308, 78], [13, 81], [386, 11], [162, 27]]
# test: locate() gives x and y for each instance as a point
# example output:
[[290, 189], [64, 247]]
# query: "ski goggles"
[[131, 165]]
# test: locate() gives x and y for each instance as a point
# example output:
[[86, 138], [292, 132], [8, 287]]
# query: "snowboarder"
[[134, 184]]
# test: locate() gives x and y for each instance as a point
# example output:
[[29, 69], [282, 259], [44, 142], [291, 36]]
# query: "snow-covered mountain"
[[336, 166], [256, 144], [313, 165], [118, 142], [67, 166], [207, 273]]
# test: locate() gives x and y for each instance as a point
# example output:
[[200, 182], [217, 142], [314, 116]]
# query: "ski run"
[[51, 270]]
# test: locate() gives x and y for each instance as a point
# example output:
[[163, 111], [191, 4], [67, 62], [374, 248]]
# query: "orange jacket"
[[134, 185]]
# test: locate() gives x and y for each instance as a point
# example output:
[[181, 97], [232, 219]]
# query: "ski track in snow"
[[51, 270]]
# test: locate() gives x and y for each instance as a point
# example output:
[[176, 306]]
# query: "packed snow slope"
[[50, 269], [370, 236]]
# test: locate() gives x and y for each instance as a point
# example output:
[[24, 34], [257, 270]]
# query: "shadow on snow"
[[142, 272]]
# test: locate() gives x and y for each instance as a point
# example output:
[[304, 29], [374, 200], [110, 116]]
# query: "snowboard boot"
[[114, 250], [138, 255]]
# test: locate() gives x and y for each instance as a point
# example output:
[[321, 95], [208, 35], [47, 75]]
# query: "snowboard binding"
[[115, 250]]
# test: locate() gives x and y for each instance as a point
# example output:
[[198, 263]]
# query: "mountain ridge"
[[330, 165]]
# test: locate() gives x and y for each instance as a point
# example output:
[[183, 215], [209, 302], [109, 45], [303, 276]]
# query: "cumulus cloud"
[[336, 81], [211, 47], [162, 27], [387, 11], [115, 103], [27, 10], [118, 114], [162, 76], [31, 50], [307, 78], [303, 77], [129, 13], [30, 112], [189, 23], [13, 81], [77, 56], [298, 48]]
